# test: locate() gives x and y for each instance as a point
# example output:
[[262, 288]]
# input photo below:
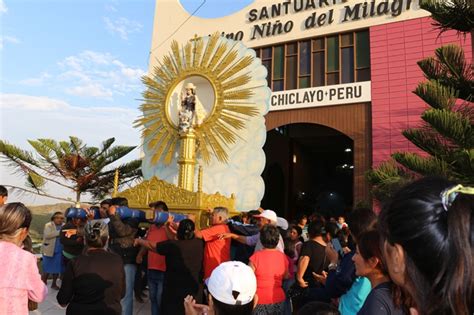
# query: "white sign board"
[[339, 94]]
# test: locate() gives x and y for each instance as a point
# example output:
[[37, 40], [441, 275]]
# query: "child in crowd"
[[302, 222]]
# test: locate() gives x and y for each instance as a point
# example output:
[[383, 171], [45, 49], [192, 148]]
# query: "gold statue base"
[[187, 160], [178, 199]]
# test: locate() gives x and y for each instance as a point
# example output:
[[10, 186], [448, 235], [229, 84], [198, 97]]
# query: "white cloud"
[[90, 90], [74, 75], [92, 124], [47, 110], [132, 73], [8, 39], [72, 62], [22, 102], [122, 26], [3, 7], [97, 57], [40, 80], [91, 74], [96, 74], [85, 59]]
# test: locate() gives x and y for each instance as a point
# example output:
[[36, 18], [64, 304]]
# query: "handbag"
[[296, 295], [32, 306], [295, 291]]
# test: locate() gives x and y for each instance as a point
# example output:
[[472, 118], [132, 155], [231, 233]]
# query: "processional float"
[[198, 104]]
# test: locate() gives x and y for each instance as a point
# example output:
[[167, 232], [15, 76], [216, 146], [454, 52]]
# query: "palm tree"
[[452, 14], [70, 164]]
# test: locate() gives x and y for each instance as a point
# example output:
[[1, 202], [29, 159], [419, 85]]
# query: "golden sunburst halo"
[[217, 61]]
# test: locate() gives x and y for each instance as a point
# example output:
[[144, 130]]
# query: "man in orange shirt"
[[216, 250], [156, 263], [3, 195]]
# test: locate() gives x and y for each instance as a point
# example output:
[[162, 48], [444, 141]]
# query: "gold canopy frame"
[[179, 200]]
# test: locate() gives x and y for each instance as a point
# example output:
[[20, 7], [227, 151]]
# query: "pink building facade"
[[395, 49]]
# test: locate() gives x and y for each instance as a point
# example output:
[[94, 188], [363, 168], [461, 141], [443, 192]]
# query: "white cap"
[[233, 283], [268, 214], [282, 223]]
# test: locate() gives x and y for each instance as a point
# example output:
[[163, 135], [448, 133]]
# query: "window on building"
[[347, 58], [291, 74], [334, 59], [266, 54], [278, 68], [362, 56], [319, 62], [304, 75]]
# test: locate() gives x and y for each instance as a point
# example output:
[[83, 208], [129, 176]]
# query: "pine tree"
[[446, 135], [72, 165], [452, 14]]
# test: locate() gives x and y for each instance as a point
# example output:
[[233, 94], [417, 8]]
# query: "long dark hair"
[[185, 230], [438, 243]]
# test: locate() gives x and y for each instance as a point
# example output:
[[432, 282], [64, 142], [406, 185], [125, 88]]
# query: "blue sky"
[[73, 67]]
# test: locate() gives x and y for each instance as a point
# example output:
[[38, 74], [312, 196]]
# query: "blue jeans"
[[127, 301], [287, 283], [155, 287]]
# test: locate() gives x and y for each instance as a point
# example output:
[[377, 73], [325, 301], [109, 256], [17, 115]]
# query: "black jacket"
[[122, 235], [93, 284], [242, 252], [72, 245]]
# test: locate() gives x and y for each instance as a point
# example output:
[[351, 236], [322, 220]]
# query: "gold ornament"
[[178, 199], [216, 65], [216, 62]]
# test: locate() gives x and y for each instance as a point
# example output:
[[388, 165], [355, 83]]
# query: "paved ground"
[[51, 307]]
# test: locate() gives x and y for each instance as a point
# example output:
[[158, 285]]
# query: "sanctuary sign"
[[279, 18]]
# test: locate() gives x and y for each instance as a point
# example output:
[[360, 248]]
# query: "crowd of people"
[[414, 257]]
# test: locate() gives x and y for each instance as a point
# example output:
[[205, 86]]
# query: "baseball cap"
[[282, 223], [267, 214], [233, 283]]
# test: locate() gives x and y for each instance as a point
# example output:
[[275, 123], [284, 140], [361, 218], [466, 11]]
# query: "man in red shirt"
[[216, 250], [156, 263]]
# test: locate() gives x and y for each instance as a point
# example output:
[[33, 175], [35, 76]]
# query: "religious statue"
[[191, 112], [235, 101]]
